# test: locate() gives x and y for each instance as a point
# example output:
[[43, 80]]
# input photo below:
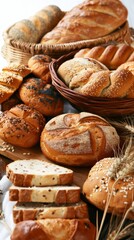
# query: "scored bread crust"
[[57, 194], [78, 139], [58, 229], [34, 211], [35, 172]]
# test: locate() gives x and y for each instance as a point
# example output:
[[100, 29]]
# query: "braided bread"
[[97, 82], [112, 55]]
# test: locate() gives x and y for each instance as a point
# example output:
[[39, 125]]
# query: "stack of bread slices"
[[47, 198]]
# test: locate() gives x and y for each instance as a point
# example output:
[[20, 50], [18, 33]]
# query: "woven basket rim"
[[31, 47], [121, 105]]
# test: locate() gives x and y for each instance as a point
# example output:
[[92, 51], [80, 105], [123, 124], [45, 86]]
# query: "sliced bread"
[[51, 194], [34, 211], [35, 172]]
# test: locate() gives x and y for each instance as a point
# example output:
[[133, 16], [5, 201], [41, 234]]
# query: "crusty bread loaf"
[[54, 229], [39, 64], [20, 69], [49, 194], [34, 172], [32, 29], [88, 20], [98, 187], [96, 82], [34, 211], [112, 55], [35, 93], [21, 126], [78, 139]]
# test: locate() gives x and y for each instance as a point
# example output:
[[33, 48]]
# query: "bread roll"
[[88, 20], [78, 139], [57, 229], [21, 126], [35, 211], [98, 186], [39, 65], [43, 97], [112, 55]]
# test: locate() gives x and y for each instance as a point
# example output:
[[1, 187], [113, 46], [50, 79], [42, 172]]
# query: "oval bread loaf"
[[78, 139]]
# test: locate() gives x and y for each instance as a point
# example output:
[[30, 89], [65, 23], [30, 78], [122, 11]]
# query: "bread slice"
[[35, 172], [49, 194], [34, 211]]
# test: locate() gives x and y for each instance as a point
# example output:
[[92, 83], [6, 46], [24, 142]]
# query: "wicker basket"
[[20, 52], [98, 105]]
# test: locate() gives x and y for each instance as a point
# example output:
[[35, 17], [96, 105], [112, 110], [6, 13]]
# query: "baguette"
[[54, 229], [37, 173], [48, 194], [35, 211]]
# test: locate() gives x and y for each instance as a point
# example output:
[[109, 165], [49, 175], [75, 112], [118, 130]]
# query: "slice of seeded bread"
[[34, 211], [35, 172], [49, 194]]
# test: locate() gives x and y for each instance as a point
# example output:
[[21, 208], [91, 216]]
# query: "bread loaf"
[[35, 93], [32, 29], [34, 211], [112, 55], [57, 229], [88, 20], [35, 172], [49, 194], [78, 139], [21, 126], [98, 186], [96, 82]]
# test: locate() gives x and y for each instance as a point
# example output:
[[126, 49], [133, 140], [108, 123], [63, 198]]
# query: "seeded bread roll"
[[99, 185], [57, 229], [34, 211], [43, 97], [21, 126], [78, 139], [38, 173], [49, 194]]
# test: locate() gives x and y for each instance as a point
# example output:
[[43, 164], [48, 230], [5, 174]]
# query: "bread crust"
[[78, 139], [58, 229]]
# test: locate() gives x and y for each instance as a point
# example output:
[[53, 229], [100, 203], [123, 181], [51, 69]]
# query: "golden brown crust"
[[43, 97], [21, 126], [39, 64], [112, 55], [78, 139], [88, 20], [49, 229], [98, 185]]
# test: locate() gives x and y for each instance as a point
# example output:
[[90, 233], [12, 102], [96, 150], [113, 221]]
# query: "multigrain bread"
[[49, 194], [34, 211], [96, 82], [112, 55], [35, 93], [78, 139], [88, 20], [21, 126], [34, 172], [54, 229]]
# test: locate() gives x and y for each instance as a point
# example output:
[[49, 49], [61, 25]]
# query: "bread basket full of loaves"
[[57, 32]]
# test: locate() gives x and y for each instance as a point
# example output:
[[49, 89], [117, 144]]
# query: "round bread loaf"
[[39, 65], [43, 97], [78, 139], [99, 187], [21, 126]]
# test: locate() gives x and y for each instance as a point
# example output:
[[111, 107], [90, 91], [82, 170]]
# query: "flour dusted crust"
[[98, 185], [78, 139], [58, 229], [35, 172]]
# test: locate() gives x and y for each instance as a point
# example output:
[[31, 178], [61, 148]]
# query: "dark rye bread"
[[34, 211], [35, 172]]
